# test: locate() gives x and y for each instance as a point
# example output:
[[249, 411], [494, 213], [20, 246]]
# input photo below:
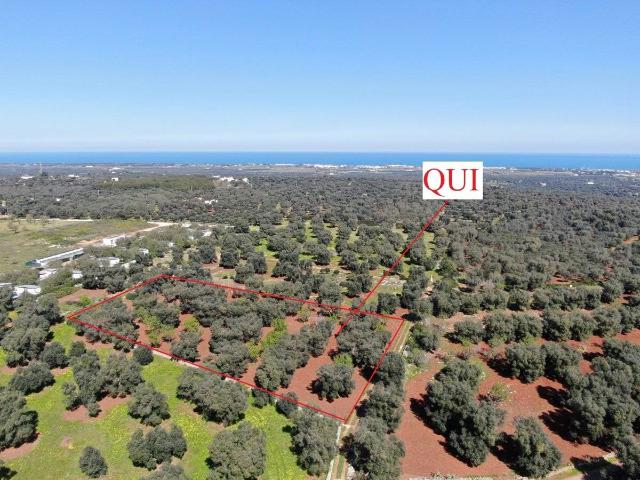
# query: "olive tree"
[[535, 455], [238, 454], [92, 463]]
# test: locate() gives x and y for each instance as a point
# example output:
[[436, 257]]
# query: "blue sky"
[[487, 76]]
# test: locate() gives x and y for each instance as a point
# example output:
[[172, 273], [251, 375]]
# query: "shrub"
[[426, 337], [334, 380], [499, 392], [238, 454], [142, 355], [535, 455], [92, 463], [467, 331], [526, 362], [31, 379], [560, 361]]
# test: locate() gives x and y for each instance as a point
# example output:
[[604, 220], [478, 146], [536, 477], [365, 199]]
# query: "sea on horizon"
[[515, 160]]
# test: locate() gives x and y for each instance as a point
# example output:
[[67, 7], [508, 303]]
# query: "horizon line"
[[314, 152]]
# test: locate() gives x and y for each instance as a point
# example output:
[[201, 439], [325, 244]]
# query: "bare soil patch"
[[83, 292], [66, 442], [81, 414], [12, 453]]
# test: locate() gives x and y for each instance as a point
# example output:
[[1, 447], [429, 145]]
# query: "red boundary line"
[[72, 317], [197, 365], [395, 264], [353, 311], [375, 370]]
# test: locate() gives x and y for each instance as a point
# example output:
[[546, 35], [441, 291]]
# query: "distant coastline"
[[342, 159]]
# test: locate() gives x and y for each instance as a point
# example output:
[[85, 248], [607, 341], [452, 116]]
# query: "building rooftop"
[[42, 262]]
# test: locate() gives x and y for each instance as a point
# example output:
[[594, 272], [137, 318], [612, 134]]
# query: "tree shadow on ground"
[[504, 450], [499, 365], [597, 468], [589, 356], [555, 396], [559, 422], [417, 406], [412, 317]]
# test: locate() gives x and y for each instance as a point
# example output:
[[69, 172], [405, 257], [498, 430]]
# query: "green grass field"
[[281, 462], [61, 441], [63, 333], [4, 377], [23, 240]]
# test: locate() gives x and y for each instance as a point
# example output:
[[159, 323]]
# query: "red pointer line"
[[375, 370], [395, 265]]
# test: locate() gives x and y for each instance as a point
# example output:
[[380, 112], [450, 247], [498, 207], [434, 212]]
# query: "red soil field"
[[301, 382], [83, 292], [425, 450]]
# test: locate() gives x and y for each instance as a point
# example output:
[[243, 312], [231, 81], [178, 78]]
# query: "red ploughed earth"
[[425, 450]]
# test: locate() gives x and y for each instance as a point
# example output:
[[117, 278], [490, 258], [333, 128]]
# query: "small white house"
[[28, 289], [112, 241], [108, 261], [76, 274], [46, 273], [143, 251], [207, 233]]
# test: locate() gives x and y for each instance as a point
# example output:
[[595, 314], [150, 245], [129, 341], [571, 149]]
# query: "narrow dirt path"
[[156, 225]]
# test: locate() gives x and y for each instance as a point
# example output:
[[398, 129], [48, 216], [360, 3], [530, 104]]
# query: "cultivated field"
[[426, 452], [303, 318]]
